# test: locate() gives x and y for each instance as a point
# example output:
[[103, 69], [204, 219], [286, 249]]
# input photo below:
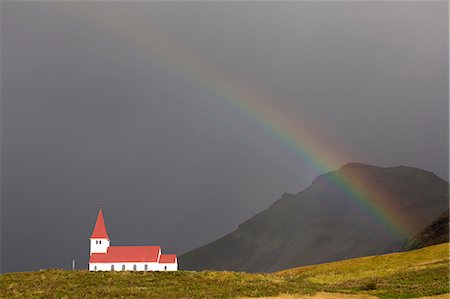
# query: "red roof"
[[124, 254], [100, 228], [167, 258]]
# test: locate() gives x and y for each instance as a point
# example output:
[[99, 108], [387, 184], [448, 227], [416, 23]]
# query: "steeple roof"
[[100, 228]]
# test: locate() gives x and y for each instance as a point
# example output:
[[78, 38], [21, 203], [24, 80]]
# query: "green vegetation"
[[409, 274], [423, 272]]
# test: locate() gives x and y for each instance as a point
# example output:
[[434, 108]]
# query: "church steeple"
[[99, 238], [100, 228]]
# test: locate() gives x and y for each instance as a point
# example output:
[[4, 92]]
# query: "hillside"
[[435, 233], [324, 223], [423, 272]]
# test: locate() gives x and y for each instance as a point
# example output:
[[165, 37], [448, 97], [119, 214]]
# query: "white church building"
[[104, 257]]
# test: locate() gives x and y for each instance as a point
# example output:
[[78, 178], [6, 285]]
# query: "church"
[[104, 257]]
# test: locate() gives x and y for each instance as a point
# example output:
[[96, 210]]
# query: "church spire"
[[100, 228]]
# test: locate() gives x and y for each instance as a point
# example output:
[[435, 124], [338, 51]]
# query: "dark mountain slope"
[[435, 233], [324, 223]]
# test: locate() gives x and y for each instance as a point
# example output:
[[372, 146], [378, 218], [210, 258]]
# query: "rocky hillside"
[[435, 233], [326, 223]]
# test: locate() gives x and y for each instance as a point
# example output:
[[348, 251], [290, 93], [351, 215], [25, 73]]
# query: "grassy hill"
[[418, 273]]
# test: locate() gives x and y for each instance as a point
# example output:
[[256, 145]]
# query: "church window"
[[165, 268], [123, 267], [99, 242], [96, 241], [146, 267], [134, 267], [112, 267], [95, 268]]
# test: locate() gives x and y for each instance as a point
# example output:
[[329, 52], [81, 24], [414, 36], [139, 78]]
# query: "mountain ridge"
[[323, 223]]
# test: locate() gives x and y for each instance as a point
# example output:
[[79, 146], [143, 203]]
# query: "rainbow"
[[294, 132]]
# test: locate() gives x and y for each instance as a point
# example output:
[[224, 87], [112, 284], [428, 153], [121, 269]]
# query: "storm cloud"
[[102, 106]]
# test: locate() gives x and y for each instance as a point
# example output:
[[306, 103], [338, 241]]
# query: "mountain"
[[435, 233], [330, 221]]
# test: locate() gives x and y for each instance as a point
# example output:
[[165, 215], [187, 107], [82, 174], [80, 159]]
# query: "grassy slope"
[[423, 272]]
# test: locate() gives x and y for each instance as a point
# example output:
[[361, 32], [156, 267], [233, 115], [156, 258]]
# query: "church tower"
[[99, 238]]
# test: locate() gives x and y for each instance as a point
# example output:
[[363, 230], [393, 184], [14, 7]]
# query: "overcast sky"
[[137, 106]]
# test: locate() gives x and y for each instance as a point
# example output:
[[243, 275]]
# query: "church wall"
[[99, 245], [129, 266], [168, 267]]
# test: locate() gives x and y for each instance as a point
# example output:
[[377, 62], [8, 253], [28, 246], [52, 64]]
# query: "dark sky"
[[136, 106]]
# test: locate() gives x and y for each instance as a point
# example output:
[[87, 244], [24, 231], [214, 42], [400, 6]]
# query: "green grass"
[[422, 272]]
